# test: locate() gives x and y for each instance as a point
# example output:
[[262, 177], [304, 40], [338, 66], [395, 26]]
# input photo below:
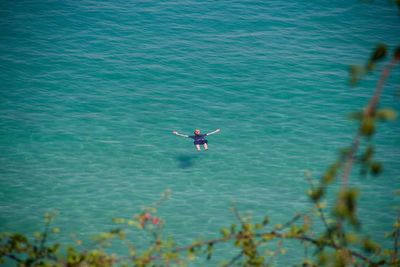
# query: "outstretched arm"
[[178, 134], [216, 131]]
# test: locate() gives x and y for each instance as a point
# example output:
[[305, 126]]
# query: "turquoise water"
[[90, 92]]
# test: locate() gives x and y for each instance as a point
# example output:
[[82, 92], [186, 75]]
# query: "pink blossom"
[[155, 220], [147, 216]]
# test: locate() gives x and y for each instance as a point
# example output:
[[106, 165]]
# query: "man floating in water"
[[199, 139]]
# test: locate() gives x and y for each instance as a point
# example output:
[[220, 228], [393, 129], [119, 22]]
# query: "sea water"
[[90, 92]]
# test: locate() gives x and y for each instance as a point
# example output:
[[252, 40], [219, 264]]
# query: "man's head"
[[197, 132]]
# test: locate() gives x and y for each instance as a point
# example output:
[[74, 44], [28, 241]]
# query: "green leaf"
[[346, 205], [316, 194], [258, 226], [351, 238], [386, 114], [356, 72], [49, 217], [370, 246], [135, 223], [191, 256], [118, 220], [225, 232], [367, 156], [368, 127], [379, 53], [268, 237], [376, 167], [330, 174]]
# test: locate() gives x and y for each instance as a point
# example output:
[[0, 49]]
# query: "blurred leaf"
[[386, 114], [347, 204], [356, 72], [118, 220], [342, 258], [330, 174], [135, 223], [351, 238], [323, 258], [38, 235], [379, 53], [267, 237], [259, 226], [368, 127], [376, 167], [191, 256], [316, 194], [248, 227], [308, 263], [225, 232], [321, 205], [265, 220], [295, 230], [54, 248], [397, 49], [367, 156], [49, 217], [370, 246]]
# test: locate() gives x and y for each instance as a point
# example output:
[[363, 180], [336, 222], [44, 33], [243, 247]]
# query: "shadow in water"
[[186, 161]]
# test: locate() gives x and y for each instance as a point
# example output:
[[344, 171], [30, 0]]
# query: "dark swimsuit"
[[199, 139]]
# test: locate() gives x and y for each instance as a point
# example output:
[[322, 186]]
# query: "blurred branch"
[[396, 240], [369, 113]]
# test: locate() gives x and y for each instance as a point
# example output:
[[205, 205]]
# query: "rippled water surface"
[[90, 92]]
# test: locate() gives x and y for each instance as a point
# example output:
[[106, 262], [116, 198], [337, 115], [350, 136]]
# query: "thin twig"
[[13, 257], [260, 235], [354, 148], [45, 235], [291, 221], [276, 252], [233, 260], [396, 241], [369, 111], [321, 211], [237, 214]]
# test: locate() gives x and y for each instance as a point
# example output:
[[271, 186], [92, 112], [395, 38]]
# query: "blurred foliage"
[[358, 71]]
